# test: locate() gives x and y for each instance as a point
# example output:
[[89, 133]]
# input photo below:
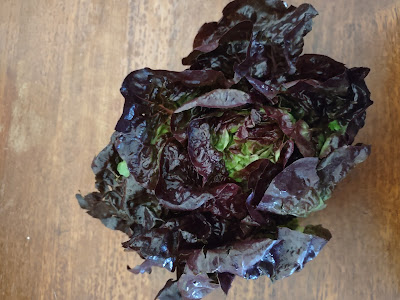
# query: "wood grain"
[[61, 66]]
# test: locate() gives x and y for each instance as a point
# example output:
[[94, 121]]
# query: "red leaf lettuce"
[[209, 169]]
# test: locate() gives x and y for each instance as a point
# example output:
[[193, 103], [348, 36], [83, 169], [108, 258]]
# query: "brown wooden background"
[[61, 66]]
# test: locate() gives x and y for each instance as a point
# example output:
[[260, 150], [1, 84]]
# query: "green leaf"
[[122, 169], [321, 141], [223, 141], [162, 129], [250, 152], [234, 129], [334, 126]]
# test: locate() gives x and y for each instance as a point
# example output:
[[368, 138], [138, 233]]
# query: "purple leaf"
[[296, 250], [294, 191], [332, 169], [306, 184], [145, 267], [219, 98], [225, 281], [179, 186], [169, 291], [229, 202], [204, 157], [158, 245], [193, 287], [237, 259]]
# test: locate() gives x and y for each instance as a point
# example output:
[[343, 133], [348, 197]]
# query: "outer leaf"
[[145, 267], [113, 204], [180, 121], [178, 187], [226, 42], [229, 202], [274, 50], [143, 165], [193, 228], [317, 67], [258, 12], [214, 35], [149, 92], [158, 245], [150, 99], [334, 168], [169, 291], [299, 131], [294, 191], [305, 185], [297, 249], [251, 259], [193, 286], [339, 94], [204, 157], [237, 259], [262, 178], [225, 280], [220, 98]]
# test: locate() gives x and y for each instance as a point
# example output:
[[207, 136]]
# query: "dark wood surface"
[[61, 66]]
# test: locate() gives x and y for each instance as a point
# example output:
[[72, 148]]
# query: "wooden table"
[[61, 66]]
